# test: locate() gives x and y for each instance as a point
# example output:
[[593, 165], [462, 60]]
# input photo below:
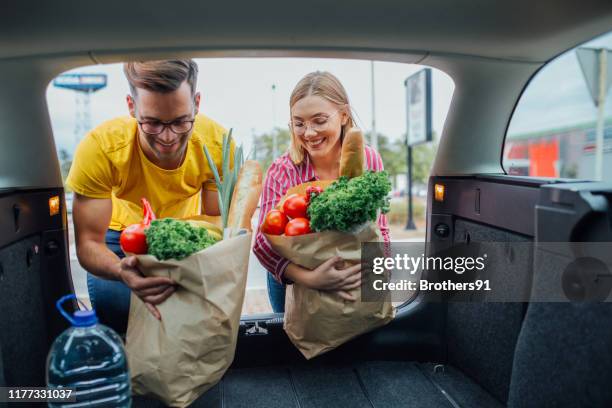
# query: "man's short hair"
[[161, 76]]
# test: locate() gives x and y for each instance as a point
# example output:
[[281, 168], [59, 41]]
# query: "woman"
[[320, 116]]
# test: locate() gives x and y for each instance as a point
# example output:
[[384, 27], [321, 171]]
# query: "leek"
[[225, 184]]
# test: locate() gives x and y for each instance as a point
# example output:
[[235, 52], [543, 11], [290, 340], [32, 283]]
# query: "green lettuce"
[[169, 238], [348, 203]]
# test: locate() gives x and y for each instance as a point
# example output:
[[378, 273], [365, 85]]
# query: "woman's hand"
[[329, 276]]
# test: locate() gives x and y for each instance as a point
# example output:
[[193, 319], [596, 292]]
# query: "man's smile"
[[167, 147]]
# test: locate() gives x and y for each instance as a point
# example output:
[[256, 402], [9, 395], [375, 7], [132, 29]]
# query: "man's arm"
[[91, 219], [210, 202]]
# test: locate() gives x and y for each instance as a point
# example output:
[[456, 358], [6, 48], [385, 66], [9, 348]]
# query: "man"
[[156, 153]]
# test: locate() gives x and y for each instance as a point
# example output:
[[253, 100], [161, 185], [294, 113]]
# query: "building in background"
[[567, 152]]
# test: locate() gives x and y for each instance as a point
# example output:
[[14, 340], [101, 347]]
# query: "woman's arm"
[[327, 276], [275, 185]]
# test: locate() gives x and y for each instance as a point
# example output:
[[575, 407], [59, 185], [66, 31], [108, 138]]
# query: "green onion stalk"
[[227, 180]]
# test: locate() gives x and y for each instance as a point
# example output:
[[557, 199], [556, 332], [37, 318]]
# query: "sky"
[[237, 92], [558, 95]]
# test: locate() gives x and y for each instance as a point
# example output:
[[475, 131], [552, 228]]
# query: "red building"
[[565, 152]]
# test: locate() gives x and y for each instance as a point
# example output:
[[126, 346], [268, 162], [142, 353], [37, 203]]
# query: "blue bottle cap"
[[83, 318], [80, 318]]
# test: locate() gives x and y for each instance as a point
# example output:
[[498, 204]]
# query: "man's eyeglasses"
[[155, 127], [319, 124]]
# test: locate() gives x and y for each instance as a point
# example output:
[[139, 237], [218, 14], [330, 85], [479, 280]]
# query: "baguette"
[[352, 156], [246, 196]]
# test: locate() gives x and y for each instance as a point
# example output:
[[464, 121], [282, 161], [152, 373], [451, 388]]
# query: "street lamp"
[[274, 138]]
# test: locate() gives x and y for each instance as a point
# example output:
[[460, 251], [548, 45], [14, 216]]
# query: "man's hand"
[[151, 290]]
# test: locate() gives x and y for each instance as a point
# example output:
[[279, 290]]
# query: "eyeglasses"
[[156, 127], [319, 124]]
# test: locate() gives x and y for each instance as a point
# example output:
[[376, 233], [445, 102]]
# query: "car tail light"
[[54, 205], [439, 192]]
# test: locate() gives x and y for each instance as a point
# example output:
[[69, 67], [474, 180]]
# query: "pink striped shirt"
[[282, 175]]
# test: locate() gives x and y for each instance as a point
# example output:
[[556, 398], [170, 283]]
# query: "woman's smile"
[[315, 142]]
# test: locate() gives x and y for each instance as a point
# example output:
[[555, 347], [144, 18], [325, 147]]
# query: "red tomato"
[[297, 226], [274, 223], [310, 190], [295, 206], [314, 189], [133, 239]]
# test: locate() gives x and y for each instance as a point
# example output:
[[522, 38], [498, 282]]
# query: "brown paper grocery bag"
[[180, 357], [318, 321]]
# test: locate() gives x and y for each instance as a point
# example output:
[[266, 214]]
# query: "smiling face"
[[166, 149], [317, 126]]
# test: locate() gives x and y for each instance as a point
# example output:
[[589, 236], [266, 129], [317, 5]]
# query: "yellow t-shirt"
[[109, 163]]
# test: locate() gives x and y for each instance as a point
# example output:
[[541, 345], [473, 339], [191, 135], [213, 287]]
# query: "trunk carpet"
[[374, 384]]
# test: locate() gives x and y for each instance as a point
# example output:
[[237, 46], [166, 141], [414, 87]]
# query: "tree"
[[65, 163], [264, 145], [422, 160], [393, 155], [395, 158]]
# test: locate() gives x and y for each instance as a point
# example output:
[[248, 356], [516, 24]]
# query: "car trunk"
[[432, 354]]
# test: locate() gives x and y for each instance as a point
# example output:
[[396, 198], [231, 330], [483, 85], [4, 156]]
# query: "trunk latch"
[[256, 328]]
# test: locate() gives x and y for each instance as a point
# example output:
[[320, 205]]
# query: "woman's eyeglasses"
[[319, 124], [156, 127]]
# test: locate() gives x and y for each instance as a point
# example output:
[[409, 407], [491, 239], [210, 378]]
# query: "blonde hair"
[[325, 85], [161, 76]]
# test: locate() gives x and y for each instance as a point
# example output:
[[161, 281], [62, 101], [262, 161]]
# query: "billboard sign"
[[418, 107], [81, 82]]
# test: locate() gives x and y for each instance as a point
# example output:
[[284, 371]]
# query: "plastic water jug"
[[90, 358]]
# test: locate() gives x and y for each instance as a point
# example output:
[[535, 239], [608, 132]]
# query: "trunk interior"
[[456, 354]]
